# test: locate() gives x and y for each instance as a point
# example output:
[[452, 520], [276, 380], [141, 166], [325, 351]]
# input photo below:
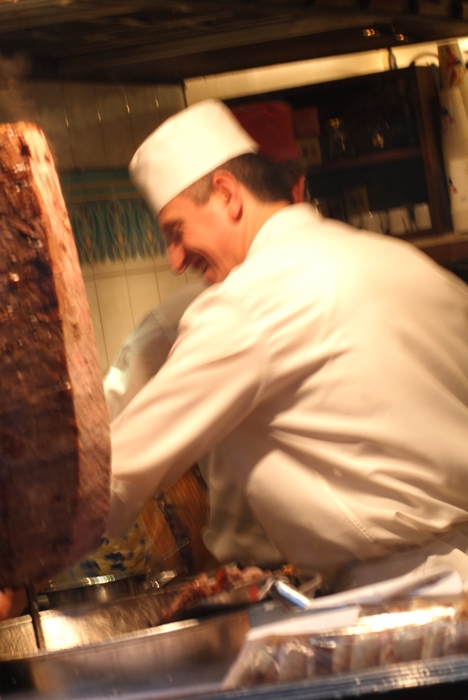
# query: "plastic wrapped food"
[[312, 645]]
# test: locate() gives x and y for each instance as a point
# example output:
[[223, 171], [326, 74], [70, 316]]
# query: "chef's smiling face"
[[200, 236]]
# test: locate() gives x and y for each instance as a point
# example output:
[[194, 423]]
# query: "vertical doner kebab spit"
[[54, 432]]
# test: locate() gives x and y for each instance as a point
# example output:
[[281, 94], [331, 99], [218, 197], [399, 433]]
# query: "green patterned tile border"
[[109, 218]]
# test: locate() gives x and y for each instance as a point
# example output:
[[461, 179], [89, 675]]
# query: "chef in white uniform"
[[331, 364], [233, 534]]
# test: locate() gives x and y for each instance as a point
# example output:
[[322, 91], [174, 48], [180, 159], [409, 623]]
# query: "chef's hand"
[[12, 603]]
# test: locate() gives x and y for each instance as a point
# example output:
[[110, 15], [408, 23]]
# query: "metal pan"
[[103, 589], [91, 623], [108, 588], [186, 657]]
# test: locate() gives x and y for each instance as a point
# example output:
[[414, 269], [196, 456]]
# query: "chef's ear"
[[226, 187], [298, 190]]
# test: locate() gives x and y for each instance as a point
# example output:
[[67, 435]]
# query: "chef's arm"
[[146, 349], [141, 357], [212, 380]]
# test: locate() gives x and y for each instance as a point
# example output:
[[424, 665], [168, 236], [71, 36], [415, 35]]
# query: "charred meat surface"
[[54, 432]]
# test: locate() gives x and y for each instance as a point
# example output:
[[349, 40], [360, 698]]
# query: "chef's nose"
[[177, 257]]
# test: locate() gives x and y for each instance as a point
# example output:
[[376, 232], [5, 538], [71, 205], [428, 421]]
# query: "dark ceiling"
[[168, 40]]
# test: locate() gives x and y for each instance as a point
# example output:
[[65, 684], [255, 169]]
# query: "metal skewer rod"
[[35, 616]]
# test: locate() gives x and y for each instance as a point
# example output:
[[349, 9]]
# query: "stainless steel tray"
[[187, 657], [91, 623], [184, 660], [79, 625]]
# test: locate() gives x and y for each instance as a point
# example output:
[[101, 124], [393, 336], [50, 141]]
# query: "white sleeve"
[[210, 383], [146, 349], [115, 386], [141, 357]]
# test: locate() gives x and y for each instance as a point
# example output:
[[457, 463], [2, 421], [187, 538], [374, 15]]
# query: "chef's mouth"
[[200, 265], [196, 264]]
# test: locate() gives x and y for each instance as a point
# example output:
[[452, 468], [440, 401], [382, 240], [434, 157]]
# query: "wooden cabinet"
[[378, 146]]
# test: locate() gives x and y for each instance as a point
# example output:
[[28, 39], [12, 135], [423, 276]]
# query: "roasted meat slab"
[[54, 434]]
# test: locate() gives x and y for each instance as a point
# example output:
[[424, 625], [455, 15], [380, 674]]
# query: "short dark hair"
[[267, 181], [293, 169]]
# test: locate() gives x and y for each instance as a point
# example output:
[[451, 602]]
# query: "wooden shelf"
[[445, 249], [408, 98], [366, 160]]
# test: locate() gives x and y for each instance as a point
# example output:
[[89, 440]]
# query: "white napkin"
[[343, 609], [432, 584]]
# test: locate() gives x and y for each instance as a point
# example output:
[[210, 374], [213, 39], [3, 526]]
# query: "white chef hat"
[[186, 147]]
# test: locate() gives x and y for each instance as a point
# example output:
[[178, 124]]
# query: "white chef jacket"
[[146, 349], [333, 364], [234, 534]]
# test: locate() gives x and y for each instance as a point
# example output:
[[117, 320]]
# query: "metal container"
[[80, 625], [184, 658], [103, 589], [85, 649]]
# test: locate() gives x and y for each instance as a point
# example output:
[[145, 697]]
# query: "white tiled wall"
[[99, 127], [94, 126], [121, 294]]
